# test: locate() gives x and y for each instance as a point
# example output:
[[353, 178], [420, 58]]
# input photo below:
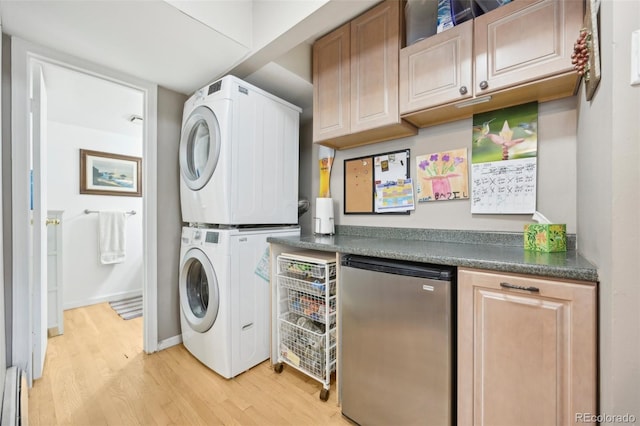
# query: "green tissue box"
[[545, 237]]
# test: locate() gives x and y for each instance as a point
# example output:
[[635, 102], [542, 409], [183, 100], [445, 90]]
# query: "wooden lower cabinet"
[[526, 349]]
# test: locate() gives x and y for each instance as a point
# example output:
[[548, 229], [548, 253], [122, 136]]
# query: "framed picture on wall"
[[104, 173]]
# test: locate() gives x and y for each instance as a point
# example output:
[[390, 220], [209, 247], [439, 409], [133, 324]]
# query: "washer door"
[[199, 293], [199, 147]]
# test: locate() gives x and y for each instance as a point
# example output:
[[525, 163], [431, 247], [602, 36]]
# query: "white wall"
[[271, 19], [3, 345], [231, 18], [556, 196], [608, 189], [86, 280]]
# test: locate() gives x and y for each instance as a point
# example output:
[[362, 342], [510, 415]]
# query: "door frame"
[[39, 239], [23, 55]]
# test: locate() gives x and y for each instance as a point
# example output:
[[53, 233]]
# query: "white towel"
[[112, 236]]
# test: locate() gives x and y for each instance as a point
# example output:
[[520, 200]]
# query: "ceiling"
[[78, 99], [183, 45]]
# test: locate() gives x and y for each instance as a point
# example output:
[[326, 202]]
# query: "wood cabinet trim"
[[548, 89], [380, 134]]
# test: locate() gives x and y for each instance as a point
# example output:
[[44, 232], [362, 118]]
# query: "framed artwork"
[[103, 173], [442, 176], [592, 68]]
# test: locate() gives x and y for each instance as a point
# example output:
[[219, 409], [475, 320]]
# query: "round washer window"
[[199, 293], [199, 147], [197, 289]]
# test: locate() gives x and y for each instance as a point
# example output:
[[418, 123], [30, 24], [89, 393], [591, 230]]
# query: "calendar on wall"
[[504, 160]]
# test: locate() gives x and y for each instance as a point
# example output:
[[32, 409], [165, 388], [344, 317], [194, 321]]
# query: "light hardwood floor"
[[98, 374]]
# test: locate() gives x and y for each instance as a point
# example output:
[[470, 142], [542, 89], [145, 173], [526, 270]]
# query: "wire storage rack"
[[306, 329]]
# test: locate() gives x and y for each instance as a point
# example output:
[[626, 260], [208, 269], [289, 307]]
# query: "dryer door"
[[199, 293], [199, 147]]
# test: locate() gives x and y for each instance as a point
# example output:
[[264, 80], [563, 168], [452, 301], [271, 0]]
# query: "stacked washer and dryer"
[[238, 186]]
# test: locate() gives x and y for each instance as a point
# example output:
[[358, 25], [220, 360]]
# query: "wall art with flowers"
[[442, 176]]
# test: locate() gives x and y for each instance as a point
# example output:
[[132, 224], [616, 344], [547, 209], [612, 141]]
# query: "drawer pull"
[[519, 287]]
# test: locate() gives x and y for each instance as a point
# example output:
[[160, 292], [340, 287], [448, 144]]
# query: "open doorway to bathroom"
[[90, 114]]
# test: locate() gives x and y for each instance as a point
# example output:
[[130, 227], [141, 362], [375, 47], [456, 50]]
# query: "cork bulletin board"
[[358, 185], [362, 174]]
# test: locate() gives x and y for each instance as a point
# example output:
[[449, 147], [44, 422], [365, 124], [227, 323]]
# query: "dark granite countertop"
[[483, 250]]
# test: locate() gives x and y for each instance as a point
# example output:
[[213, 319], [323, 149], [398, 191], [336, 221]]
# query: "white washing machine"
[[239, 156], [225, 296]]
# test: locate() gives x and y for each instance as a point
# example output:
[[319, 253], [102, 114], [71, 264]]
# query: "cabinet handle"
[[519, 287], [484, 84], [463, 90], [50, 221]]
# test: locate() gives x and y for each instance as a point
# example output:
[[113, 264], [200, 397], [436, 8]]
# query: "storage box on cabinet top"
[[545, 237]]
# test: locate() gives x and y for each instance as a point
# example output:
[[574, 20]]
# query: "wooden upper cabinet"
[[375, 43], [331, 84], [524, 41], [526, 349], [355, 81], [437, 70], [521, 52]]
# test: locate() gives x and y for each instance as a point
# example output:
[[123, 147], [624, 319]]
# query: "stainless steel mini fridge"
[[397, 343]]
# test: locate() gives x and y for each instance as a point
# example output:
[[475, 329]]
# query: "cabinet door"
[[375, 48], [525, 357], [437, 70], [524, 41], [331, 85]]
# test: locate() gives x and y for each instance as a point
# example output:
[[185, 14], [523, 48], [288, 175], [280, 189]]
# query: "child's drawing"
[[443, 176]]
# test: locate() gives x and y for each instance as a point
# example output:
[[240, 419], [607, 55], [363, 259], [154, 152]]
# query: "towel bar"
[[87, 211]]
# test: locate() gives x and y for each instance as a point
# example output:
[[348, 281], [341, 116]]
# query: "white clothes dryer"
[[239, 156], [225, 296]]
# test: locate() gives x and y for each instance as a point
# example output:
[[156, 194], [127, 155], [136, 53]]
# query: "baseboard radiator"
[[15, 401]]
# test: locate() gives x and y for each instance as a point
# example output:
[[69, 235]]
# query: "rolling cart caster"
[[278, 367], [324, 394]]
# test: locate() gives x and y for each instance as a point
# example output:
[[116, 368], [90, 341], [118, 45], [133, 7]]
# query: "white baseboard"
[[102, 299], [171, 341]]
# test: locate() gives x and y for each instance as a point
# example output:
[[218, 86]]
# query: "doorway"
[[27, 304], [89, 114]]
